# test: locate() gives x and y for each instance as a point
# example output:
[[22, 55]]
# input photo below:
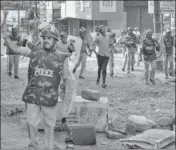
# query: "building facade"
[[137, 15], [89, 14]]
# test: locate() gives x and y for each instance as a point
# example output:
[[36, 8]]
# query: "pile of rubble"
[[144, 133]]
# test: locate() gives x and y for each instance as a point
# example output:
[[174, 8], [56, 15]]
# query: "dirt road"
[[127, 95]]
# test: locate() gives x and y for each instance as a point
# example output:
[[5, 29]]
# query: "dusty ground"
[[127, 95]]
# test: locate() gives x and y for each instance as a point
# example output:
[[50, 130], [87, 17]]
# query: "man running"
[[83, 52], [102, 41], [148, 49], [41, 94]]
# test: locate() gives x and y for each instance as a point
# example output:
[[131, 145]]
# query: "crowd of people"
[[48, 66]]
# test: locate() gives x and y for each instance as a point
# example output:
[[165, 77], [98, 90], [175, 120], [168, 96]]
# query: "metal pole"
[[18, 20], [157, 27], [157, 30], [36, 26]]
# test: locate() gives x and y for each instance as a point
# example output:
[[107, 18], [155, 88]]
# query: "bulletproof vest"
[[131, 41], [149, 49], [169, 42], [149, 46], [45, 70]]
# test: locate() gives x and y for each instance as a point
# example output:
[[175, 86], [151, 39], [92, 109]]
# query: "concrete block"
[[90, 94]]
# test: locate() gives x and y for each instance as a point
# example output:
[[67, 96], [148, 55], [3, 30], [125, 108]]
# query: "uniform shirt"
[[148, 49], [168, 43], [45, 75], [130, 41], [103, 45]]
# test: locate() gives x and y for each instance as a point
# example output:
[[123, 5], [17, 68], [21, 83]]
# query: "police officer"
[[130, 42], [41, 93], [111, 50], [121, 39], [83, 53], [168, 40], [13, 56], [148, 48]]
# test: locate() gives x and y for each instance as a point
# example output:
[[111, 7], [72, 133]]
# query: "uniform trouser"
[[123, 50], [14, 61], [129, 58], [82, 60], [34, 115], [138, 56], [111, 62], [102, 66], [152, 65], [168, 60]]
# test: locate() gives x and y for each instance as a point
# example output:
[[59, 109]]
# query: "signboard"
[[24, 21], [86, 4], [151, 7], [56, 5], [166, 7], [107, 6], [42, 11], [56, 14], [56, 10]]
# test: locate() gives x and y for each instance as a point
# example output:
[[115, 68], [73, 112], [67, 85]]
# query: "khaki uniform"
[[168, 57], [130, 42], [149, 55]]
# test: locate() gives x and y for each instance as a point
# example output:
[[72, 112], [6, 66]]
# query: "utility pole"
[[156, 18], [18, 20], [36, 25], [157, 30]]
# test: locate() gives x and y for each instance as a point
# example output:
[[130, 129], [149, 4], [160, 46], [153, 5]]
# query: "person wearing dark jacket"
[[13, 58], [148, 51], [168, 53]]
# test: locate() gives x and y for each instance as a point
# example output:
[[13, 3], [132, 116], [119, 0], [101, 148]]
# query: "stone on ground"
[[114, 135], [165, 121], [138, 124], [90, 94]]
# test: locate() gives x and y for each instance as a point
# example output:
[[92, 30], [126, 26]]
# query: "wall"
[[135, 3], [139, 17], [115, 25], [147, 19], [118, 15]]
